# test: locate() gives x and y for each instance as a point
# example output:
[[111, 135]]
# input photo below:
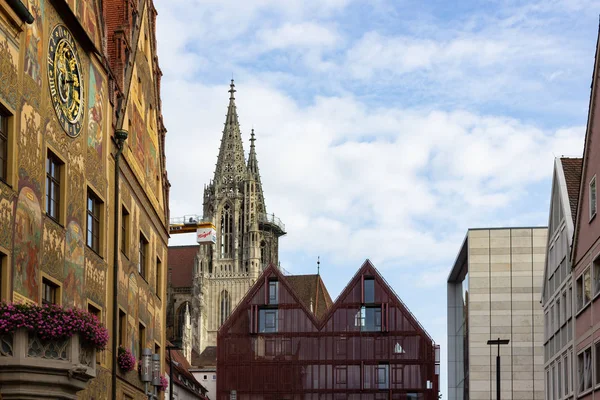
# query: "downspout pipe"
[[120, 137], [22, 12]]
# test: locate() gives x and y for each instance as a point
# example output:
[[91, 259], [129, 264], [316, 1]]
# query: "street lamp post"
[[120, 138], [498, 342], [169, 348]]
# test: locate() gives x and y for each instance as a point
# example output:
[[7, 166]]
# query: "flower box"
[[47, 351]]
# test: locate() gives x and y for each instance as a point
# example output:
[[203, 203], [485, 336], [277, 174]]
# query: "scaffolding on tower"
[[205, 230]]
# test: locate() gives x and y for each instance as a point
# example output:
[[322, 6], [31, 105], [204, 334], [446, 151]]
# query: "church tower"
[[247, 237]]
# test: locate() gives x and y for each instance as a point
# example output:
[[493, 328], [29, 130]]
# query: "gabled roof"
[[572, 172], [181, 366], [586, 150], [208, 358], [181, 261], [310, 288], [319, 322]]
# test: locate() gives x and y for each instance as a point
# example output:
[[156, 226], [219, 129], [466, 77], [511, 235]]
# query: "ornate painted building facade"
[[80, 71], [214, 278]]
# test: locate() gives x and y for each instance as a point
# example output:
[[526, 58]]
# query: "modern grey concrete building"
[[494, 291]]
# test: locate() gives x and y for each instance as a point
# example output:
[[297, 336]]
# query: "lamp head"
[[121, 136]]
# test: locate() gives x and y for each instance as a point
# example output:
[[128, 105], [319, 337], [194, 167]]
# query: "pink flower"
[[125, 359], [53, 322]]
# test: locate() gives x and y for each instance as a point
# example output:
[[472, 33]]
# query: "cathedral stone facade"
[[212, 279]]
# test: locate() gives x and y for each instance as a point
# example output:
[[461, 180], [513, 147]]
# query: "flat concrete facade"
[[494, 292]]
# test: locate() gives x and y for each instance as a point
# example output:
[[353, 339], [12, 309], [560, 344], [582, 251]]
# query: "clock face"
[[65, 81]]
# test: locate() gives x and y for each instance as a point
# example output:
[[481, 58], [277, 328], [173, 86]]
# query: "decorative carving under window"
[[86, 356], [54, 349], [6, 345]]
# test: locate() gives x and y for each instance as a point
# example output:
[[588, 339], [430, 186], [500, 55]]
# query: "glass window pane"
[[369, 290], [273, 297], [372, 319]]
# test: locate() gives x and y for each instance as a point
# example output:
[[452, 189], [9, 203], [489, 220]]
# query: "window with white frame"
[[559, 379], [584, 369], [583, 289], [593, 197], [564, 306], [596, 275], [569, 302], [566, 375], [548, 385], [597, 362], [554, 382], [558, 313]]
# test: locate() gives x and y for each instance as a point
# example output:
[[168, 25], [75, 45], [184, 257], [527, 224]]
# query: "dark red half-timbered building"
[[287, 340]]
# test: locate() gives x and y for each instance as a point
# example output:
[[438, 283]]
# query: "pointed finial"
[[252, 139], [231, 90], [318, 264]]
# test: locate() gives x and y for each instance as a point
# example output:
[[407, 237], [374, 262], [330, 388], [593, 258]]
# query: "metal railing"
[[191, 219], [271, 219]]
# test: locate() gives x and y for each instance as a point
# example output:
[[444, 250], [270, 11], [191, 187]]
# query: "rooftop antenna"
[[318, 264]]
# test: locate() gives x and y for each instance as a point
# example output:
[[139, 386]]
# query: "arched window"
[[263, 254], [225, 306], [227, 232], [181, 320]]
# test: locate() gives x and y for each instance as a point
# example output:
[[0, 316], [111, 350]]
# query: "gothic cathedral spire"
[[247, 237], [255, 175], [231, 166]]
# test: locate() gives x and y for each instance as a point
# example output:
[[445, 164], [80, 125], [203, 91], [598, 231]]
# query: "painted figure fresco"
[[9, 55], [96, 101], [132, 301], [85, 11], [27, 244], [132, 296], [139, 136], [74, 259], [152, 166], [34, 41]]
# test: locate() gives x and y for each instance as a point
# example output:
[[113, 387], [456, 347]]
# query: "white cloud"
[[326, 182], [304, 35]]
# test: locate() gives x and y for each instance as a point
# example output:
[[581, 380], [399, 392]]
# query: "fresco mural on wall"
[[74, 258], [152, 166], [85, 11], [132, 296], [139, 136], [96, 101], [27, 244], [132, 293], [34, 41], [9, 56], [95, 281]]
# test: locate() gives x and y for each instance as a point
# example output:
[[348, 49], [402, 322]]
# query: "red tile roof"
[[572, 171], [181, 367], [208, 358], [311, 287], [181, 263]]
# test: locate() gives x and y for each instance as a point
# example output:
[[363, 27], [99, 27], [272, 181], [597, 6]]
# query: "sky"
[[385, 128]]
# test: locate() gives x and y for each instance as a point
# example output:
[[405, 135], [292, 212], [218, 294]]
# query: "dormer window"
[[593, 198], [369, 290], [273, 292]]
